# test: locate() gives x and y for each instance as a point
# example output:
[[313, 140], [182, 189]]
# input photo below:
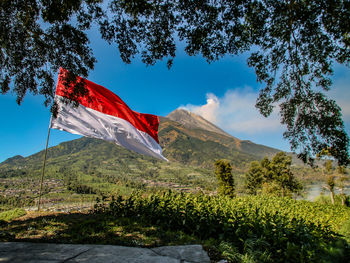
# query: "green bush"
[[16, 201], [256, 228], [12, 214], [223, 172], [345, 230], [326, 199]]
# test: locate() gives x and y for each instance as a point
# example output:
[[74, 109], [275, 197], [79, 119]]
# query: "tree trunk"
[[342, 195], [332, 197]]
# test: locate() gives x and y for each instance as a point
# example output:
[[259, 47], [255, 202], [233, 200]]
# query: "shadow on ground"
[[85, 228]]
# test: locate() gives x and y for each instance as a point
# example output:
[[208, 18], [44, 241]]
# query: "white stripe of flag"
[[93, 123]]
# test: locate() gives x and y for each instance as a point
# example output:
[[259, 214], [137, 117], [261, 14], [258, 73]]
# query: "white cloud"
[[236, 112], [208, 111]]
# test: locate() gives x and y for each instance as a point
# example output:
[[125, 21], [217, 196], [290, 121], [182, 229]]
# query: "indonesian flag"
[[103, 115]]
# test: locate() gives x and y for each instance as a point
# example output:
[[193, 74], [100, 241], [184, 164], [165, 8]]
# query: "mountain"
[[188, 140], [193, 121], [191, 143], [13, 160]]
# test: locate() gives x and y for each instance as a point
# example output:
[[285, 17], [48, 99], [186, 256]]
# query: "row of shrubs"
[[255, 228]]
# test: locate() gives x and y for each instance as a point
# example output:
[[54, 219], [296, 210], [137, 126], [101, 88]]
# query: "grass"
[[90, 228], [12, 214]]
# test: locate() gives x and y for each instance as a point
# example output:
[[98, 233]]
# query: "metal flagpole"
[[43, 172]]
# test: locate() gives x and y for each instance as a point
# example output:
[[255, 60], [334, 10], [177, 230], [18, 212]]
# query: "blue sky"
[[224, 92]]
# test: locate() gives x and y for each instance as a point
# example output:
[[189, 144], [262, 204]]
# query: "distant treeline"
[[16, 201]]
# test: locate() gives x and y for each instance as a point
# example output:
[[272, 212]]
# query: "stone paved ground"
[[20, 252]]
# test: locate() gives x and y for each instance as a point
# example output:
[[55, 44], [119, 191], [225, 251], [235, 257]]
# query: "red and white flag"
[[103, 115]]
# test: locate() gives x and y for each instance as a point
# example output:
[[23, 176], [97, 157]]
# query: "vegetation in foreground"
[[12, 214], [268, 226], [242, 229]]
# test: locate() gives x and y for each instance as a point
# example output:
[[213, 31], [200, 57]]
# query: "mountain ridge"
[[191, 120], [190, 140]]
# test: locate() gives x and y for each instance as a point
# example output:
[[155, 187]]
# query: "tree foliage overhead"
[[293, 46], [38, 37]]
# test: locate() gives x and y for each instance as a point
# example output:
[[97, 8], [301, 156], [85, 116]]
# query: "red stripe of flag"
[[105, 101]]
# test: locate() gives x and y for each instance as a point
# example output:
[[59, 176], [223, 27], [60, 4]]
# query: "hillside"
[[193, 121], [191, 140], [191, 150]]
